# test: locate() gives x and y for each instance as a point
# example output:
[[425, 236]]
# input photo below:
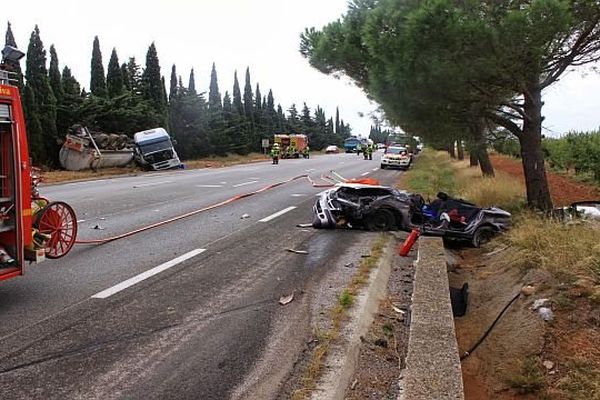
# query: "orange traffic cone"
[[408, 243]]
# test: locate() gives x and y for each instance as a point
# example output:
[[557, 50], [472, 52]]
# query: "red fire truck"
[[31, 227]]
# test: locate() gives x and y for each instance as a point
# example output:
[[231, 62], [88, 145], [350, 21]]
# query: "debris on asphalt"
[[283, 300], [353, 386], [349, 265], [399, 311], [365, 256], [297, 251], [304, 226], [98, 227], [528, 290], [245, 216]]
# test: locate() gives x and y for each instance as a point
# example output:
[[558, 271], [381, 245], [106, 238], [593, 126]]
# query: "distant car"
[[332, 150], [396, 157]]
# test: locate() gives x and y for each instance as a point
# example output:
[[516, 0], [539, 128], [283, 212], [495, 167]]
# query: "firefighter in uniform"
[[370, 151], [306, 152], [358, 148], [275, 153]]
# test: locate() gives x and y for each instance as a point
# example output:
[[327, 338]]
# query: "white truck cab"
[[154, 149]]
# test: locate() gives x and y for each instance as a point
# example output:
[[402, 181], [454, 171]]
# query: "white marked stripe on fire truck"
[[277, 214], [244, 183], [145, 275], [151, 184], [364, 173]]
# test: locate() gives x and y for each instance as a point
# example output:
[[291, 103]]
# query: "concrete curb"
[[433, 368], [341, 363]]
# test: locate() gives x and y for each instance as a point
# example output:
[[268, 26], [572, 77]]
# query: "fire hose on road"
[[207, 208]]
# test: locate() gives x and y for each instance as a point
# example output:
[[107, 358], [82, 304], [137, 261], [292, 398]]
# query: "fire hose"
[[204, 209]]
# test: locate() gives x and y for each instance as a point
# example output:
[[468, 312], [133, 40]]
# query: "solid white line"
[[277, 214], [80, 220], [145, 275], [375, 169], [298, 195], [245, 183], [151, 184], [366, 173], [209, 186]]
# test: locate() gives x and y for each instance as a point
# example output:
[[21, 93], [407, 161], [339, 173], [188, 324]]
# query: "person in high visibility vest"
[[306, 152], [370, 151], [358, 149], [275, 153], [366, 151]]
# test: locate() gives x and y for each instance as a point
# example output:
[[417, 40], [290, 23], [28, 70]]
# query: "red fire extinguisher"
[[408, 243]]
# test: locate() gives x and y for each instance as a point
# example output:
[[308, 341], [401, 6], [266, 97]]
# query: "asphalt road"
[[180, 311]]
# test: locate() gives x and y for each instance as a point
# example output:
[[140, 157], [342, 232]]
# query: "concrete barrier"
[[432, 362]]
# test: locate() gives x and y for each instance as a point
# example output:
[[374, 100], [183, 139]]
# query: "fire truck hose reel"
[[201, 210]]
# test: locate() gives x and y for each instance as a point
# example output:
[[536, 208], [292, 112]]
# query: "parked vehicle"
[[396, 157], [381, 208], [154, 150], [291, 146], [332, 149]]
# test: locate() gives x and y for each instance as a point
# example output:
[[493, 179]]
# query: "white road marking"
[[310, 170], [223, 183], [151, 184], [298, 195], [209, 186], [375, 169], [147, 274], [277, 214], [80, 221], [365, 173], [244, 183]]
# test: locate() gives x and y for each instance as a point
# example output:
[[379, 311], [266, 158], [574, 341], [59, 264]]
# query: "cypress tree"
[[337, 120], [293, 121], [248, 97], [69, 84], [258, 100], [238, 107], [281, 122], [97, 81], [40, 104], [153, 88], [14, 66], [126, 78], [214, 97], [192, 83], [114, 76], [227, 106], [54, 75], [134, 76], [173, 84], [68, 109]]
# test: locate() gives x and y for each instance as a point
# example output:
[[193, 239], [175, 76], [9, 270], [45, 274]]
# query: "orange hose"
[[207, 208]]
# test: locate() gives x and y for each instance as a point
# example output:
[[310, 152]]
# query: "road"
[[179, 311]]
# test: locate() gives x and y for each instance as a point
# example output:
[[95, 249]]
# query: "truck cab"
[[154, 150]]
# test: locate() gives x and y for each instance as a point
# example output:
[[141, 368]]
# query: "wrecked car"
[[381, 208]]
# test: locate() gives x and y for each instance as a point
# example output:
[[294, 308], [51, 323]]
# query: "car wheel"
[[383, 166], [381, 220], [483, 235]]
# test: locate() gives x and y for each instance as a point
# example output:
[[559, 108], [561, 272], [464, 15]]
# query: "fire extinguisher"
[[408, 243]]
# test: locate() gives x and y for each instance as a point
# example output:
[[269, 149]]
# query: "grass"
[[581, 381], [530, 379], [338, 314]]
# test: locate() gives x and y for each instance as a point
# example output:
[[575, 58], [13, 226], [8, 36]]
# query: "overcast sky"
[[261, 34]]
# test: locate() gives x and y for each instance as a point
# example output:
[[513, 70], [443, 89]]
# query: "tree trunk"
[[461, 150], [532, 156], [480, 150], [473, 161], [451, 150]]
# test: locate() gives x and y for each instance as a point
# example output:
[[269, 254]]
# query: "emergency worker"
[[306, 152], [275, 153], [370, 151], [358, 148]]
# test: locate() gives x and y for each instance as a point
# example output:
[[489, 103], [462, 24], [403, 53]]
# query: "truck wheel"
[[381, 220]]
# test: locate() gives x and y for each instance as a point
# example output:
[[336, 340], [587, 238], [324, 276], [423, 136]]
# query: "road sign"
[[265, 143]]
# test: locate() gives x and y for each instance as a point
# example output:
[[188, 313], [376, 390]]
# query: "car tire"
[[381, 220], [383, 166], [482, 236]]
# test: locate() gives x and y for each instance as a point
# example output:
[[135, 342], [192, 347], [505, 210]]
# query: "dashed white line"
[[147, 274], [80, 221], [209, 186], [244, 183], [375, 169], [364, 173], [151, 184], [298, 195], [277, 214]]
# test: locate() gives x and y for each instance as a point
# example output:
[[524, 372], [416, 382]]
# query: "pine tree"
[[238, 107], [97, 81], [40, 104], [293, 122], [68, 110], [126, 78], [69, 84], [114, 76], [192, 82], [14, 66], [134, 76], [153, 89], [282, 125], [214, 96], [54, 75]]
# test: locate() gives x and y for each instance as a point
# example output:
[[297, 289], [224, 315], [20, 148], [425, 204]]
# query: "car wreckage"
[[382, 208]]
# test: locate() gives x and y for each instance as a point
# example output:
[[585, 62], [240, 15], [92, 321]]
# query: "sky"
[[234, 34]]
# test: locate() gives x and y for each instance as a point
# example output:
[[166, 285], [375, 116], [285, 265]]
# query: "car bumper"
[[395, 163]]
